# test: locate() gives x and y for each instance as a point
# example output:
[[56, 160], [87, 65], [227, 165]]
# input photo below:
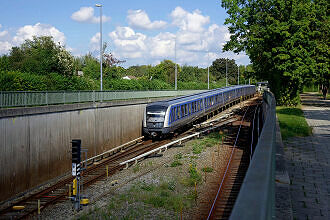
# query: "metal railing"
[[31, 98], [256, 199]]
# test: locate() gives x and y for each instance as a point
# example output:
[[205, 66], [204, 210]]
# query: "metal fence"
[[29, 98], [256, 199]]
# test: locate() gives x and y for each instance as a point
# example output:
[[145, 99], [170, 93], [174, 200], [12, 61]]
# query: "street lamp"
[[176, 68], [226, 73], [101, 52], [238, 75], [208, 70]]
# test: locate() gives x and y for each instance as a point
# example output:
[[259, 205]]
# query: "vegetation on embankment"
[[292, 122], [41, 64]]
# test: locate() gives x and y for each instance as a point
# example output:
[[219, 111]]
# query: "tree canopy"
[[219, 67], [41, 56], [287, 41]]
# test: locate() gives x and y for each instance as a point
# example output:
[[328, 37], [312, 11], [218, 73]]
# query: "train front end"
[[154, 121]]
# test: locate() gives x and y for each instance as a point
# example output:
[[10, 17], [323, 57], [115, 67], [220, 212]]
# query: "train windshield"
[[156, 113]]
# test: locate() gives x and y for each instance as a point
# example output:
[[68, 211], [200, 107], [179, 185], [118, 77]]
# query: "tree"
[[280, 37], [165, 71], [91, 67], [41, 56], [193, 74], [218, 69]]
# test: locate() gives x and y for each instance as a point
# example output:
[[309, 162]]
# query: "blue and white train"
[[165, 117]]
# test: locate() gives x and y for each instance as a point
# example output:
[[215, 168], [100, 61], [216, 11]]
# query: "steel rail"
[[227, 168], [62, 184]]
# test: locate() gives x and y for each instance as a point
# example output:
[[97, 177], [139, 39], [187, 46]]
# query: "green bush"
[[140, 84], [17, 81]]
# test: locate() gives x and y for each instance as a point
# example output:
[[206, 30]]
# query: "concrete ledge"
[[282, 181], [15, 112]]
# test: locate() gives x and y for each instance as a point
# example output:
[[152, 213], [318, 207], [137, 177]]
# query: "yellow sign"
[[74, 187]]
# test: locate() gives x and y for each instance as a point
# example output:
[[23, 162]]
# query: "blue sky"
[[140, 32]]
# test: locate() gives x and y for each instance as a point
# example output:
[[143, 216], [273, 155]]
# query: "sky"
[[192, 32]]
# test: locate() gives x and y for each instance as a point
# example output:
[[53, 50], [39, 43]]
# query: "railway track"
[[60, 190], [223, 193], [96, 171]]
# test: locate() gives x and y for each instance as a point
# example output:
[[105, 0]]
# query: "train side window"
[[171, 115], [185, 109], [177, 113]]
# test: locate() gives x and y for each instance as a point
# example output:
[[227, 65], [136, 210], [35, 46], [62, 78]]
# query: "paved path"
[[308, 163]]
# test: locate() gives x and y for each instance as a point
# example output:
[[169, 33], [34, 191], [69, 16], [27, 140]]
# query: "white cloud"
[[5, 47], [94, 42], [198, 42], [162, 45], [3, 33], [86, 14], [128, 43], [28, 31], [186, 21], [140, 19]]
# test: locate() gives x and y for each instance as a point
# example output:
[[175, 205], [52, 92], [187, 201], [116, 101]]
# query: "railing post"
[[1, 99], [46, 97], [93, 96], [79, 96], [25, 99]]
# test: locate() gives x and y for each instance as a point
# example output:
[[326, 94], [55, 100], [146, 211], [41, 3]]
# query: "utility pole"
[[238, 75], [101, 50], [226, 73], [176, 68], [208, 71]]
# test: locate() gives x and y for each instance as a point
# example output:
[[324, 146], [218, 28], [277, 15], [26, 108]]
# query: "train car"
[[165, 117]]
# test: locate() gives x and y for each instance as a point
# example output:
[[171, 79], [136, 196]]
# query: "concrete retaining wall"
[[35, 148]]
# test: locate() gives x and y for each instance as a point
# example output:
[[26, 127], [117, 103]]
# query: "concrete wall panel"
[[36, 148]]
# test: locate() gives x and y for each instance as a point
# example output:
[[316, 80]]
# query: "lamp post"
[[176, 68], [226, 73], [101, 52], [238, 75], [208, 70]]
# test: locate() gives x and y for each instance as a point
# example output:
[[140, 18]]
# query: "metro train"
[[165, 117]]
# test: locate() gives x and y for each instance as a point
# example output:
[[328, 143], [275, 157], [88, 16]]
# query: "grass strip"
[[292, 122]]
